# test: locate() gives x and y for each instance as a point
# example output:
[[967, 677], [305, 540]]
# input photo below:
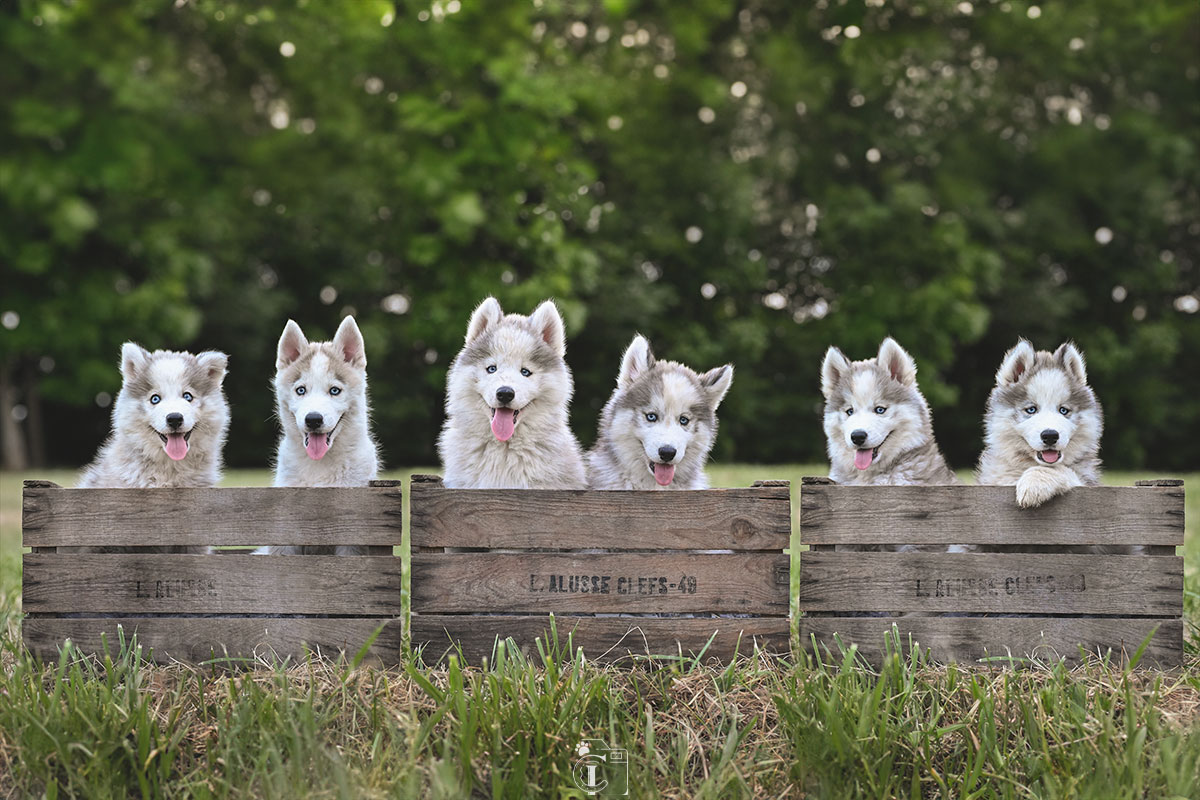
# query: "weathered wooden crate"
[[532, 559], [194, 607], [1019, 599]]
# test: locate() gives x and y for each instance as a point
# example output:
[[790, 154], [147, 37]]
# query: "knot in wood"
[[742, 529]]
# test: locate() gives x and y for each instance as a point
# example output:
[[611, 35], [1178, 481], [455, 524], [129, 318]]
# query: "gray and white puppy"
[[878, 427], [1043, 425], [169, 424], [660, 424], [321, 402], [507, 398]]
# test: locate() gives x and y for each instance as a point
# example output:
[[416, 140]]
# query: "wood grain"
[[211, 584], [1007, 583], [968, 639], [602, 639], [831, 514], [218, 517], [196, 640], [668, 582], [757, 518]]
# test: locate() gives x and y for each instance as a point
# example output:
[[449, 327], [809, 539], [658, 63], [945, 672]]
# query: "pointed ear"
[[212, 364], [716, 383], [635, 362], [349, 342], [134, 358], [1016, 363], [487, 314], [833, 369], [1072, 360], [898, 363], [291, 345], [548, 323]]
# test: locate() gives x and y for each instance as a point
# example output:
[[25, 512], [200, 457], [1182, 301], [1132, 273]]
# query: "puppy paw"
[[1038, 484]]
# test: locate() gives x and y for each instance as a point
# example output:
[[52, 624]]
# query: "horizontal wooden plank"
[[259, 516], [671, 582], [757, 518], [211, 584], [195, 640], [831, 514], [602, 638], [971, 638], [1008, 583]]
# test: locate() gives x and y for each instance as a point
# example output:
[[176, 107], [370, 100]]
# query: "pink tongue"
[[176, 446], [862, 458], [504, 422], [664, 474], [1049, 456], [318, 445]]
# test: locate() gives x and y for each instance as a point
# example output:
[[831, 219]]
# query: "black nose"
[[858, 437], [174, 420], [666, 453], [505, 394], [313, 420], [1050, 436]]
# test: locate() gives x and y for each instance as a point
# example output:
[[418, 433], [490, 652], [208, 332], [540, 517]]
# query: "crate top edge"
[[1151, 483]]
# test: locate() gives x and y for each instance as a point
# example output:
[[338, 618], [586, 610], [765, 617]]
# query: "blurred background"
[[740, 181]]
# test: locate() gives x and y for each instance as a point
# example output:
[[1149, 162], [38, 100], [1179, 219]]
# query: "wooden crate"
[[1020, 601], [532, 560], [193, 607]]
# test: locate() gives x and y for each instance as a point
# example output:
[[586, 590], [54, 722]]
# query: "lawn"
[[763, 727]]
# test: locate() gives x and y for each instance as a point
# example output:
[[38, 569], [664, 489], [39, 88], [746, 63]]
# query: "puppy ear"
[[134, 358], [212, 365], [1072, 360], [833, 369], [716, 383], [636, 361], [291, 345], [898, 363], [487, 314], [349, 342], [549, 325], [1016, 363]]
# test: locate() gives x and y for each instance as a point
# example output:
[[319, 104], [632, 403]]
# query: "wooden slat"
[[668, 582], [211, 584], [1007, 583], [757, 518], [602, 639], [195, 640], [261, 516], [971, 638], [831, 514]]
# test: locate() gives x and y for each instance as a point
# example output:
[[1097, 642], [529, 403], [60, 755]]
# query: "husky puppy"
[[321, 402], [658, 427], [1043, 425], [878, 427], [169, 424], [507, 397]]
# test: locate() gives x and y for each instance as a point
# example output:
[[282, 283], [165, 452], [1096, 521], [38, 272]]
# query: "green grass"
[[763, 727]]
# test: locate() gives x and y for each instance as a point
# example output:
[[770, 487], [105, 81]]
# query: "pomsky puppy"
[[169, 424], [507, 398], [878, 426], [321, 402], [657, 429], [1043, 424]]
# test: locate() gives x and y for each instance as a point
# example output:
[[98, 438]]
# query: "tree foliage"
[[743, 182]]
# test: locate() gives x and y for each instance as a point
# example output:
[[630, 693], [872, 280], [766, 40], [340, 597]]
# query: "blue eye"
[[651, 416], [188, 396], [525, 372], [1031, 410], [684, 420], [300, 390], [155, 399], [880, 409], [849, 412], [335, 390], [491, 369], [1066, 412]]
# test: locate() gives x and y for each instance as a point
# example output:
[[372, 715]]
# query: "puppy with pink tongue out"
[[508, 393]]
